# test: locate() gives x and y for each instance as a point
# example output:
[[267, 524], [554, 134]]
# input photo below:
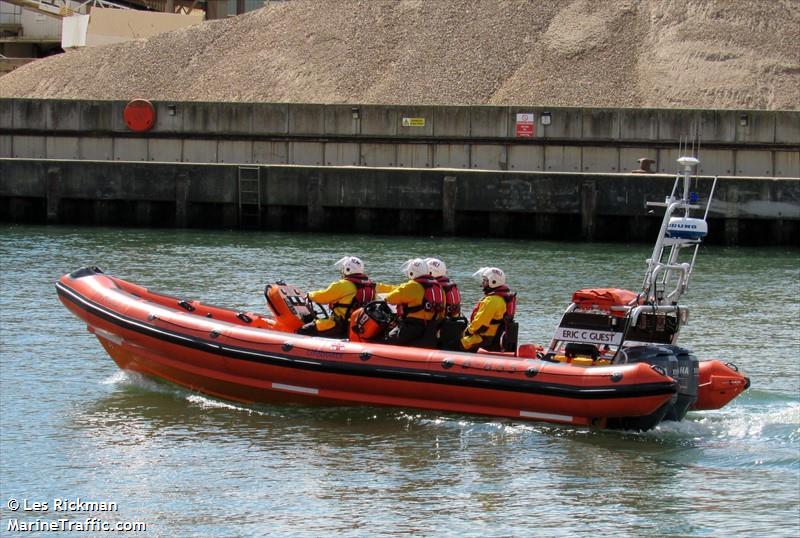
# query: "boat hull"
[[233, 360]]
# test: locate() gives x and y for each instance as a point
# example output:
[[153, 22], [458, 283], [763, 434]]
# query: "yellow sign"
[[413, 122]]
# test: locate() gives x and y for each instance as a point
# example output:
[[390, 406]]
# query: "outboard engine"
[[660, 357], [688, 376]]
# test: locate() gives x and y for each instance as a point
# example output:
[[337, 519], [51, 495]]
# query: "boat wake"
[[209, 403], [738, 422], [776, 421], [136, 381], [779, 421], [128, 379]]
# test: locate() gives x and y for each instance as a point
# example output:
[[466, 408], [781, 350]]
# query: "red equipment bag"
[[603, 298]]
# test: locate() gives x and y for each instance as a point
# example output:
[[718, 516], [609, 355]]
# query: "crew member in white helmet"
[[493, 313], [419, 301], [452, 322], [352, 291], [452, 298]]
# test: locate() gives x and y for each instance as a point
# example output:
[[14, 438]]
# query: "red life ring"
[[139, 115]]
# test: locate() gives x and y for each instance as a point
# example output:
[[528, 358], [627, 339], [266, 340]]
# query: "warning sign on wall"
[[525, 124], [413, 122]]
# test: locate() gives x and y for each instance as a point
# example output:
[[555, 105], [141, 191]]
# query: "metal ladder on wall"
[[249, 197]]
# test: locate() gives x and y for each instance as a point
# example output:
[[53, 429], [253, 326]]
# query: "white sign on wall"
[[525, 124]]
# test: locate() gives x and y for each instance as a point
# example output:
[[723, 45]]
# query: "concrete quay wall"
[[733, 143], [546, 205]]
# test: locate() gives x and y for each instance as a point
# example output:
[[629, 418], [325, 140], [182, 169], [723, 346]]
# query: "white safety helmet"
[[350, 265], [436, 267], [415, 268], [490, 277]]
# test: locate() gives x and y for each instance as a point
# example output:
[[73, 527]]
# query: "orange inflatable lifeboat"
[[247, 357]]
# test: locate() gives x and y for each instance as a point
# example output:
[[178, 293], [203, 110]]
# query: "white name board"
[[588, 335]]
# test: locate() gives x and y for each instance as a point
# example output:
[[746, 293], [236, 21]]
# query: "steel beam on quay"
[[545, 205]]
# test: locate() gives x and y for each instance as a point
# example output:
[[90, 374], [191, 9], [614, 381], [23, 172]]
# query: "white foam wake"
[[126, 378], [741, 422], [209, 403]]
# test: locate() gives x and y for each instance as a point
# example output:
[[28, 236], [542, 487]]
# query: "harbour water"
[[72, 425]]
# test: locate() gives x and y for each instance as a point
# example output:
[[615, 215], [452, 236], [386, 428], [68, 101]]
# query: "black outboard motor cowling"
[[688, 380], [655, 355]]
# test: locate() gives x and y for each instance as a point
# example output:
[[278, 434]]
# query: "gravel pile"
[[620, 53]]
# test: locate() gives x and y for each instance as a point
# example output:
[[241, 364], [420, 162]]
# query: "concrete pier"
[[394, 169], [545, 205]]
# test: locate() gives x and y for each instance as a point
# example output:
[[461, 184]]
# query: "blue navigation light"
[[693, 197]]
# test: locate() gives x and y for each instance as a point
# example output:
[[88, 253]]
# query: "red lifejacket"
[[365, 293], [510, 299], [432, 300], [452, 297]]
